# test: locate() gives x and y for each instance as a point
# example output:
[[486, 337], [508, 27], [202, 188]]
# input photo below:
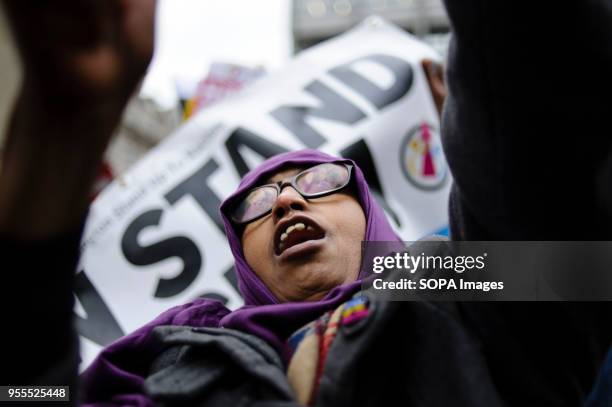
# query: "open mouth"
[[294, 231]]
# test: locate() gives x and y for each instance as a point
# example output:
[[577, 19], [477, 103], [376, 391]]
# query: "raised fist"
[[79, 54]]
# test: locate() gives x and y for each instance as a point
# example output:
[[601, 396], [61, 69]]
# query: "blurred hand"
[[82, 54], [82, 60], [435, 78]]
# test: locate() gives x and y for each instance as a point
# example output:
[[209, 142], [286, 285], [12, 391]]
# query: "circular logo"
[[422, 159]]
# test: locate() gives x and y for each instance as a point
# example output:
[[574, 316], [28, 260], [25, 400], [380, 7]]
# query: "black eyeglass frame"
[[291, 182]]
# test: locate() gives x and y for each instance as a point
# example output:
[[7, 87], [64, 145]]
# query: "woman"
[[296, 243]]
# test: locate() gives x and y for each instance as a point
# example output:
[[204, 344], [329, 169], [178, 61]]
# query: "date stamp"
[[34, 393]]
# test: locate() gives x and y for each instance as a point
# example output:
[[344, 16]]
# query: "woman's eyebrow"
[[270, 180]]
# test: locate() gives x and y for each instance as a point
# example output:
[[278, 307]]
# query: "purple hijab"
[[117, 374]]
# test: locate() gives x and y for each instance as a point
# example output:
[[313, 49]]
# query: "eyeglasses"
[[320, 180]]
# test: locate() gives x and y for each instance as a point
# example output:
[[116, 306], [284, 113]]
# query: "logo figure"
[[422, 159]]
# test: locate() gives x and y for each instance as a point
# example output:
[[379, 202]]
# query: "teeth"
[[298, 226], [281, 246]]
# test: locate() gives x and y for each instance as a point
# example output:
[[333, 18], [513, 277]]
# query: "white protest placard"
[[154, 238]]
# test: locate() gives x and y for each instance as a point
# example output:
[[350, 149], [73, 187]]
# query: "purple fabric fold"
[[117, 375]]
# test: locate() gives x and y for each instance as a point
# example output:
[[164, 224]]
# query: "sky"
[[193, 33]]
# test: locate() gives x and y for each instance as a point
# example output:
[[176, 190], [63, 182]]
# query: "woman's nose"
[[288, 200]]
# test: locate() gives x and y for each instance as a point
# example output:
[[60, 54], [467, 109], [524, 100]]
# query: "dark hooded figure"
[[307, 333]]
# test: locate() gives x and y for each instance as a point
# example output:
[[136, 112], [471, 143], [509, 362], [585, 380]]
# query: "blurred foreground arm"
[[526, 124], [82, 60]]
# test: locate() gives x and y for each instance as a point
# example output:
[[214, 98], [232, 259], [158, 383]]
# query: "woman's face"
[[321, 250]]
